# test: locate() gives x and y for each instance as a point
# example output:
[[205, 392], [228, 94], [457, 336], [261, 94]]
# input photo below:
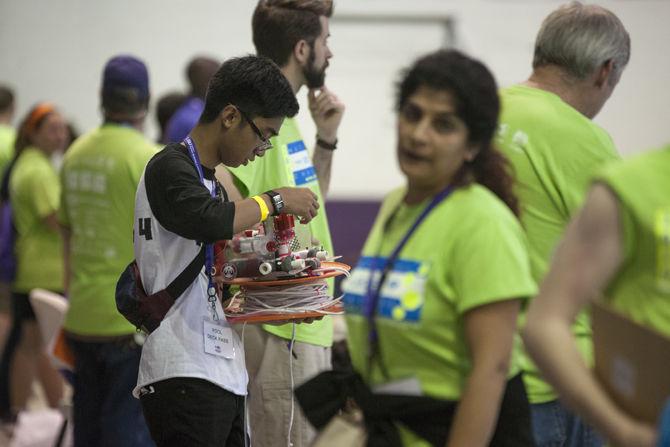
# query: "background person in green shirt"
[[616, 249], [445, 312], [34, 196], [547, 133], [101, 171], [293, 34]]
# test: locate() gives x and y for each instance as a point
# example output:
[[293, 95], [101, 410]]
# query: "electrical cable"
[[278, 299], [246, 409], [290, 368]]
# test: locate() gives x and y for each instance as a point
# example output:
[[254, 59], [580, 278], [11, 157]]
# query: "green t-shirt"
[[288, 164], [34, 194], [554, 150], [641, 287], [7, 137], [469, 251], [100, 174]]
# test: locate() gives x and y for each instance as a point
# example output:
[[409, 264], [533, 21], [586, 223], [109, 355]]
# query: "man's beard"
[[314, 77]]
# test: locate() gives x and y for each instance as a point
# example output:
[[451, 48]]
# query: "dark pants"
[[556, 426], [193, 412], [21, 311], [326, 394], [105, 412]]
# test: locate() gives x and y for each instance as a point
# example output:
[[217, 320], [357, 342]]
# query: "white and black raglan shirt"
[[174, 213]]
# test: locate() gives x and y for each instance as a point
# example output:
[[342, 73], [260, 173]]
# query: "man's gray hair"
[[580, 38]]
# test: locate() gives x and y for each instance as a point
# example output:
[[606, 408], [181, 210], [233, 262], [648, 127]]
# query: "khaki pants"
[[270, 393]]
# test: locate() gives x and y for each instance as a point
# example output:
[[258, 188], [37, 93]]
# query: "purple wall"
[[350, 222]]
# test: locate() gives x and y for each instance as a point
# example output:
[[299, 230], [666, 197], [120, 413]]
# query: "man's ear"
[[229, 116], [604, 73], [301, 51]]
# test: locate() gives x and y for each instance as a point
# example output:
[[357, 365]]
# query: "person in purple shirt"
[[198, 72]]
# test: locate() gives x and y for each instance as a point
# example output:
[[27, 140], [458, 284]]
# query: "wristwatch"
[[277, 202]]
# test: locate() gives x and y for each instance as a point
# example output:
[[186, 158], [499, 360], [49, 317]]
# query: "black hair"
[[6, 98], [31, 123], [166, 106], [252, 83], [475, 93], [123, 101], [199, 71]]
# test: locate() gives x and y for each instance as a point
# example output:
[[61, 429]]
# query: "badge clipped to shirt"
[[218, 340]]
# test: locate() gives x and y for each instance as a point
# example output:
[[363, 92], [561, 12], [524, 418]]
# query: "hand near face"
[[327, 111]]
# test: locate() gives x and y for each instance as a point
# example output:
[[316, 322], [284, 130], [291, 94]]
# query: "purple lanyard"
[[374, 294], [209, 248]]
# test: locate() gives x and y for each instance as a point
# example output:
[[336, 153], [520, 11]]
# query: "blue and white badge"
[[402, 295], [301, 164]]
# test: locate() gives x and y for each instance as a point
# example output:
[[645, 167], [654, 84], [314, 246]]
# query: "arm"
[[584, 263], [226, 180], [489, 330], [327, 111], [183, 206], [66, 234], [51, 221], [301, 202], [293, 199], [323, 162]]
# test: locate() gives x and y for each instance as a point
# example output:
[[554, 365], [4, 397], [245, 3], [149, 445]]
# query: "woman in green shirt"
[[34, 194], [433, 339]]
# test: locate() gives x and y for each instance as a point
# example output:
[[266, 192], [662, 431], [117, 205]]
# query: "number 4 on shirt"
[[144, 227]]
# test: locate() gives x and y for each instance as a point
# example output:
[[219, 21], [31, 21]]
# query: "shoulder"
[[476, 207], [184, 118], [32, 168], [289, 132], [477, 200], [392, 200], [171, 159], [133, 144], [80, 148], [637, 168], [32, 160]]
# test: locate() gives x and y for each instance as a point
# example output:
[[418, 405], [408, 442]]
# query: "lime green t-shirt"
[[469, 251], [34, 192], [100, 174], [288, 164], [641, 288], [554, 151], [7, 137]]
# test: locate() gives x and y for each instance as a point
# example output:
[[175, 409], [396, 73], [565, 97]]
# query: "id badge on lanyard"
[[218, 339], [374, 293]]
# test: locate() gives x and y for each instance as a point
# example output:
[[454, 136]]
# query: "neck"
[[572, 91], [293, 74], [6, 118], [137, 124], [197, 94], [417, 193], [205, 146]]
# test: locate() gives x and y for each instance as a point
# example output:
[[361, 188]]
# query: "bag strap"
[[186, 278]]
